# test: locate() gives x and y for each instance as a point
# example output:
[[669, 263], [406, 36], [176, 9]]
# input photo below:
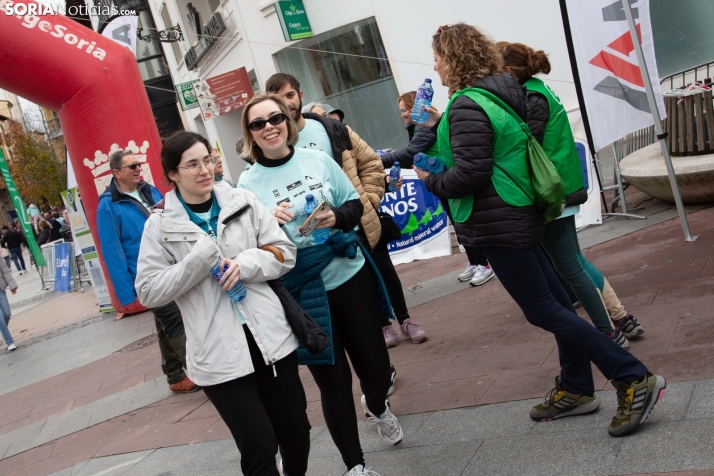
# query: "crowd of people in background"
[[246, 282], [49, 226]]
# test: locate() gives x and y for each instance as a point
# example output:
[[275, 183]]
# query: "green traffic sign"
[[293, 20]]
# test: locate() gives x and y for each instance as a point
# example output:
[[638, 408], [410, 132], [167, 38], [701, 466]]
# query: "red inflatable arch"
[[95, 86]]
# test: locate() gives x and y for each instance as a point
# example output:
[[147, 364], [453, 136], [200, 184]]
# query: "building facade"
[[361, 57], [9, 111]]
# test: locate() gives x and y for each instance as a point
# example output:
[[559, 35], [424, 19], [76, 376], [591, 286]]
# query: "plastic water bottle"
[[435, 165], [420, 160], [322, 234], [394, 174], [238, 292], [432, 165], [424, 95]]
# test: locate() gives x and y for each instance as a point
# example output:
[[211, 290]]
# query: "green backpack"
[[548, 187]]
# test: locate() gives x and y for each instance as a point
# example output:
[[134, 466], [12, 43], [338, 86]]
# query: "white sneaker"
[[12, 346], [468, 273], [360, 470], [388, 426], [482, 275]]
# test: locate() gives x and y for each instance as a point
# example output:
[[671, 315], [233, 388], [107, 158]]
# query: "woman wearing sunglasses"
[[346, 295], [243, 354]]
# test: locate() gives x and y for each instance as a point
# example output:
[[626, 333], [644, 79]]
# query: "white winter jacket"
[[174, 264]]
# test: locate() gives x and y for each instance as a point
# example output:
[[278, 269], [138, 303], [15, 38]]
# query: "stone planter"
[[645, 170]]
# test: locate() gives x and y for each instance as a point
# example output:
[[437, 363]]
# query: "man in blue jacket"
[[123, 209]]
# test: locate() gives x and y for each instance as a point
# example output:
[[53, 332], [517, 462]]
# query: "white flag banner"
[[122, 29], [610, 77]]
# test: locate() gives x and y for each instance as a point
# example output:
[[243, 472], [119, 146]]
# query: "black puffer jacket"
[[493, 222], [423, 139], [538, 114]]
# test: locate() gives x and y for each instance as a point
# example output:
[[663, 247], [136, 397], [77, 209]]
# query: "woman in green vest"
[[549, 124], [487, 188], [423, 140]]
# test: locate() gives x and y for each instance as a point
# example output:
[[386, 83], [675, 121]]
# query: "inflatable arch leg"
[[95, 86]]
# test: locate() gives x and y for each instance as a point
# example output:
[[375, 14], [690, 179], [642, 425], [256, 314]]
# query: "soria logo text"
[[13, 8], [58, 31]]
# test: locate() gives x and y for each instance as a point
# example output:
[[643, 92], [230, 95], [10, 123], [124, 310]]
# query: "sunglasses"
[[259, 124], [132, 166]]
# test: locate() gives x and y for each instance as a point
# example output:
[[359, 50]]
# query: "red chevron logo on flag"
[[619, 67]]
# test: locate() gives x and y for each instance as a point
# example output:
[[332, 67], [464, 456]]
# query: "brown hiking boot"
[[184, 386]]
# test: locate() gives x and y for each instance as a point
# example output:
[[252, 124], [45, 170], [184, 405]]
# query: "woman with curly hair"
[[487, 188]]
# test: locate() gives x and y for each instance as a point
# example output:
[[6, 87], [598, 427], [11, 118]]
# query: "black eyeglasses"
[[132, 166], [259, 124]]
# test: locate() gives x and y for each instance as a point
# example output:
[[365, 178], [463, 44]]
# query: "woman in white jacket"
[[243, 355]]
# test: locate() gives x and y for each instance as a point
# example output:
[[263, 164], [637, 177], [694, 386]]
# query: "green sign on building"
[[293, 20], [186, 96]]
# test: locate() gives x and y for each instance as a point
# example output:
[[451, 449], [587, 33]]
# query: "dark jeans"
[[172, 341], [355, 329], [264, 411], [560, 241], [7, 261], [476, 255], [16, 254], [531, 282], [380, 256]]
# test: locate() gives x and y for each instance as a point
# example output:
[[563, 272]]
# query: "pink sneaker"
[[390, 336], [411, 330]]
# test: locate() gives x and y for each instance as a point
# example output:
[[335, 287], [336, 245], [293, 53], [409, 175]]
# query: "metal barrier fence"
[[47, 272]]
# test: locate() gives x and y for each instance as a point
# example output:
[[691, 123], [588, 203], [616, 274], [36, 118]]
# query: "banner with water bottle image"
[[422, 220]]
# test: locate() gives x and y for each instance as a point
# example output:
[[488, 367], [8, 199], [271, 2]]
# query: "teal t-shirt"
[[570, 211], [313, 136], [135, 194], [308, 172], [206, 217]]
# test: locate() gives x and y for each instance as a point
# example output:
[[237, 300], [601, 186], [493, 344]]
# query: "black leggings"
[[355, 329], [380, 256], [530, 280], [263, 411], [476, 255]]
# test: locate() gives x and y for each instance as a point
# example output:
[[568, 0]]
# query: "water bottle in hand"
[[394, 174], [320, 235], [430, 164], [435, 165], [420, 160], [424, 95], [238, 292]]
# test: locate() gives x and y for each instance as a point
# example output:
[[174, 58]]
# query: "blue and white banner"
[[63, 267], [422, 220]]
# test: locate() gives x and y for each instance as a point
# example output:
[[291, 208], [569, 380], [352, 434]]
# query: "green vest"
[[432, 151], [509, 153], [558, 141]]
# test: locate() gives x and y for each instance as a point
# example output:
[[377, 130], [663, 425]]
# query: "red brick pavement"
[[480, 350]]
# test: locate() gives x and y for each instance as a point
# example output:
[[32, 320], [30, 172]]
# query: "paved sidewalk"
[[73, 405], [491, 440]]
